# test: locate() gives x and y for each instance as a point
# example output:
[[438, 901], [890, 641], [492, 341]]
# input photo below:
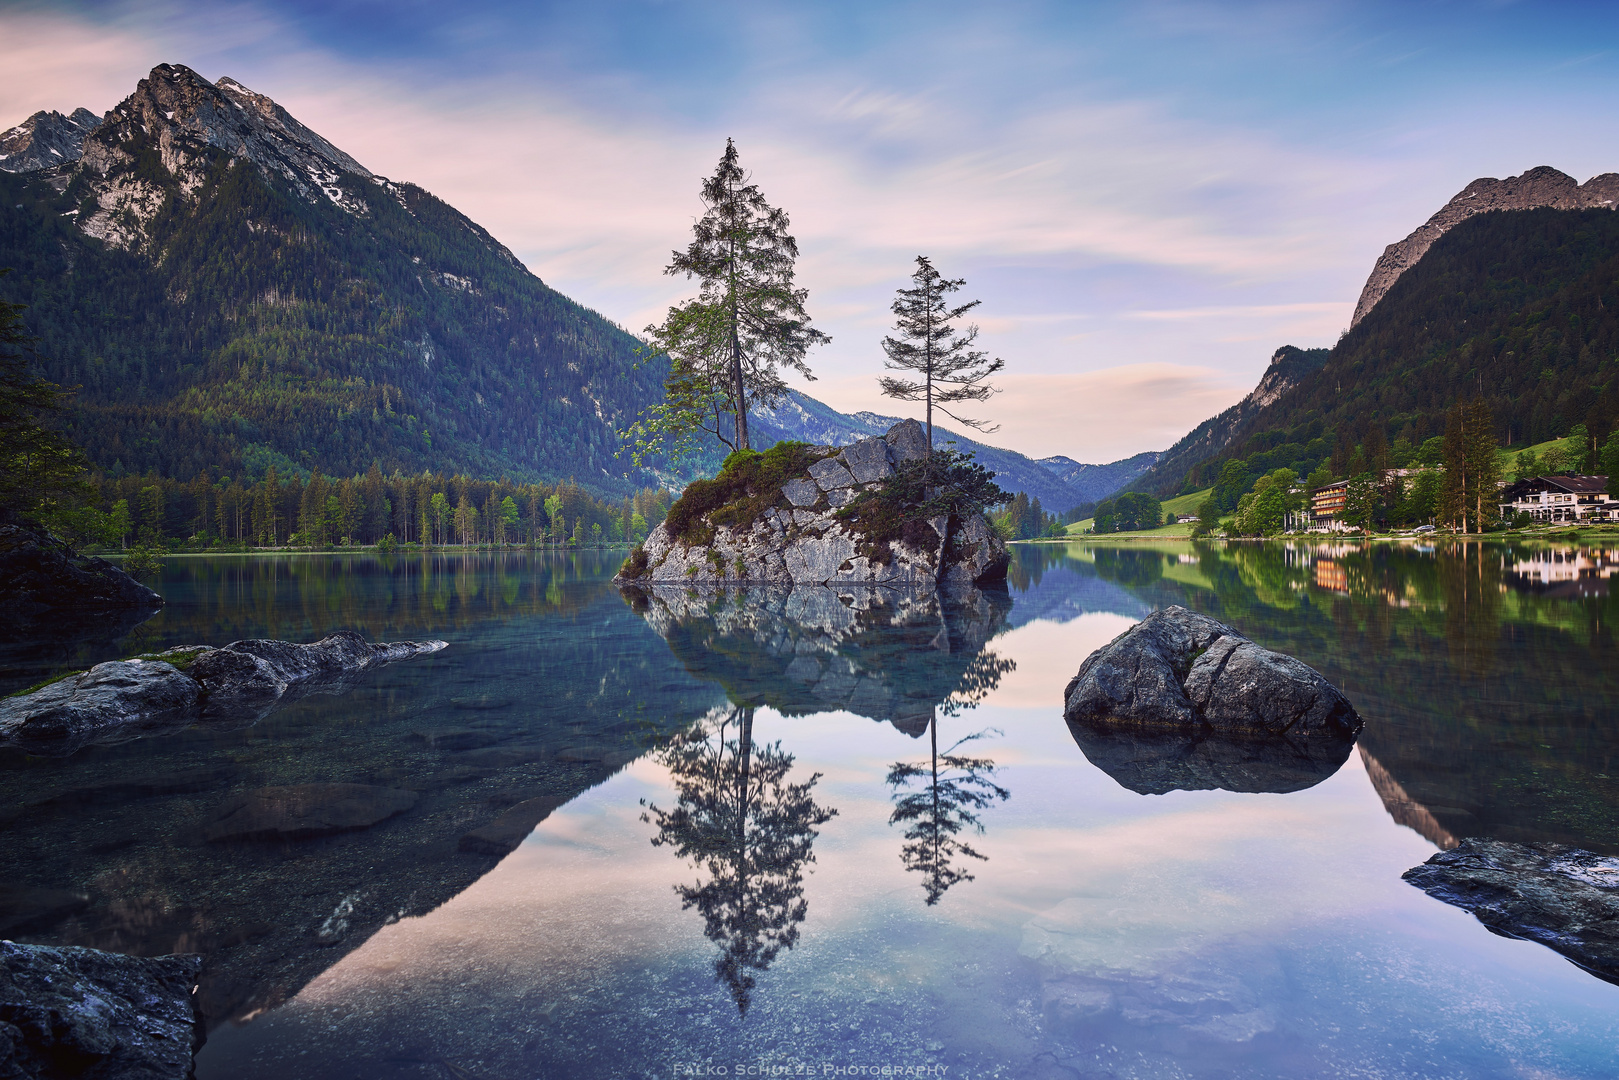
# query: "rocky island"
[[815, 515]]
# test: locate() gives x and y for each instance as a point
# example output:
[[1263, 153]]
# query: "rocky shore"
[[125, 699], [48, 586], [786, 529]]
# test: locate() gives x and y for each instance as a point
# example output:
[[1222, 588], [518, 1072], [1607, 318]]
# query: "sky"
[[1148, 198]]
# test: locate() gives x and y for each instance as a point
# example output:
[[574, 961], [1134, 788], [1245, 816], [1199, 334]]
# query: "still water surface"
[[747, 833]]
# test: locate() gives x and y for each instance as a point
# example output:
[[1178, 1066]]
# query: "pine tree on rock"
[[726, 347], [929, 343]]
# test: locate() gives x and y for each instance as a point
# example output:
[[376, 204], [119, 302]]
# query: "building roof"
[[1572, 485]]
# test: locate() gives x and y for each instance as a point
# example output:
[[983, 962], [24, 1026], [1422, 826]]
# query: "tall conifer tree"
[[726, 347]]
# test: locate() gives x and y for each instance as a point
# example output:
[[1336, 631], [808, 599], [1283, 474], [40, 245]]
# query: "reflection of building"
[[1560, 498], [1327, 505], [1566, 572], [1331, 575]]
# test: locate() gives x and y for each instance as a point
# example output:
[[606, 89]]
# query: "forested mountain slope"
[[231, 291], [1519, 306]]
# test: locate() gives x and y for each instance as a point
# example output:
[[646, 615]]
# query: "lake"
[[754, 833]]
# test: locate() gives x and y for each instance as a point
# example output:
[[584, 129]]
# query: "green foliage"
[[41, 470], [929, 344], [1024, 519], [749, 484], [900, 507], [1264, 511], [636, 565], [143, 562], [1131, 512]]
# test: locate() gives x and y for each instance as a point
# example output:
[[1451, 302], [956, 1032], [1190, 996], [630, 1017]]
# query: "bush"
[[900, 507], [749, 483], [636, 565]]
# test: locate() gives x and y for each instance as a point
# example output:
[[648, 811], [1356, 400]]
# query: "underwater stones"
[[1179, 669], [867, 460], [69, 1011], [508, 830], [1565, 898], [302, 811], [110, 701]]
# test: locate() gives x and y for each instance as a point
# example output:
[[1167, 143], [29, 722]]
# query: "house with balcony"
[[1327, 506], [1554, 499]]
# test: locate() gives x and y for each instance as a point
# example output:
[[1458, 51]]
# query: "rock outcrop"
[[1564, 897], [1539, 187], [1179, 670], [799, 540], [46, 140], [44, 580], [97, 1015], [125, 699]]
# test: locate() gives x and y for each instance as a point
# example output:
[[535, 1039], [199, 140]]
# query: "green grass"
[[1180, 506], [52, 681]]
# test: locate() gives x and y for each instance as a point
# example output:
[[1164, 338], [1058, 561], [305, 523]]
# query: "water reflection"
[[750, 831], [937, 800], [1154, 763], [1488, 699]]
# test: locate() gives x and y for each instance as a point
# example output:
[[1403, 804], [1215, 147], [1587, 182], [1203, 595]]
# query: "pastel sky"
[[1149, 198]]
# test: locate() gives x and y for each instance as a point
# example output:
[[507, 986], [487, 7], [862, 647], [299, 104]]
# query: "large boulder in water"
[[1564, 897], [44, 580], [1177, 669], [111, 702], [78, 1012]]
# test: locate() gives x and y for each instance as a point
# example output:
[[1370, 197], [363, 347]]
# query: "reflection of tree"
[[739, 820], [954, 788]]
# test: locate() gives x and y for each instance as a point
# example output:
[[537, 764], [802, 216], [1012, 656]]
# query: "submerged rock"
[[125, 699], [1155, 762], [102, 1016], [44, 580], [799, 539], [1177, 669], [301, 811], [1564, 897]]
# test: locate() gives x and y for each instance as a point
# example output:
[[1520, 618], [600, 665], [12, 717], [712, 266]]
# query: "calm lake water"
[[745, 833]]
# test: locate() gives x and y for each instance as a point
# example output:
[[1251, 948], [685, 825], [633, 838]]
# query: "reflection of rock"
[[305, 810], [124, 699], [46, 584], [97, 1015], [1179, 669], [1563, 897], [888, 654], [1155, 762]]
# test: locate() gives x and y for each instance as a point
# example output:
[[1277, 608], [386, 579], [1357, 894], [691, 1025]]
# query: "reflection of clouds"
[[1048, 654]]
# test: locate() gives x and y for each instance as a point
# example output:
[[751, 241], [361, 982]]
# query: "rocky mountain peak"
[[1539, 187], [46, 140]]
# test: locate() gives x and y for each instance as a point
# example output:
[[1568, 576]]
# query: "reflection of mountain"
[[888, 654], [543, 698], [1048, 584], [1489, 708], [1153, 763], [750, 832]]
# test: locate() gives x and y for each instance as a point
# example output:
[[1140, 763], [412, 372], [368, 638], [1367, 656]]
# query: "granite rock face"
[[1539, 187], [44, 579], [803, 543], [102, 1016], [1563, 897], [126, 699], [1177, 669]]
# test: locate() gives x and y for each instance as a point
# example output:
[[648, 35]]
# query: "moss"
[[749, 483], [52, 681], [180, 661], [636, 565]]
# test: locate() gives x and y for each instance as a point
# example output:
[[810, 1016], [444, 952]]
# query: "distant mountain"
[[46, 140], [231, 291], [1059, 483], [1517, 304], [1288, 367]]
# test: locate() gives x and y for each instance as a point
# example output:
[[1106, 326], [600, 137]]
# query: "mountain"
[[1540, 187], [46, 140], [1059, 483], [231, 291], [1288, 367], [1520, 305]]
